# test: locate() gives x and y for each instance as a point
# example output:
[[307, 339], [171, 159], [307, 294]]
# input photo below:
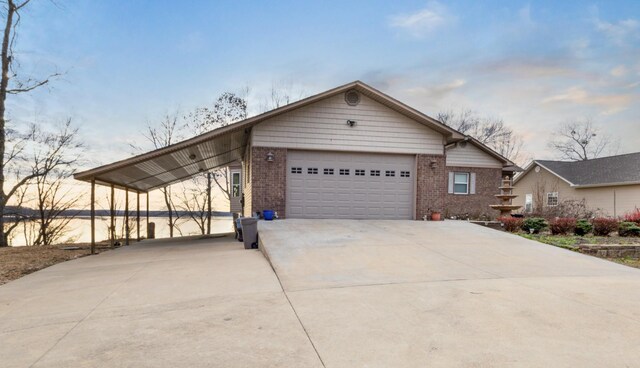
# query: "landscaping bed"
[[16, 262], [614, 239]]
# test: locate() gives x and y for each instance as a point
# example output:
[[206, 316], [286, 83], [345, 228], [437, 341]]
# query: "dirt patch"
[[16, 262]]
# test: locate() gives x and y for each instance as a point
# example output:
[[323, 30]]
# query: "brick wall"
[[474, 205], [431, 185], [268, 181]]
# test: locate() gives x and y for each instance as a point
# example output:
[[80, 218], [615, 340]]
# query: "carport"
[[162, 167]]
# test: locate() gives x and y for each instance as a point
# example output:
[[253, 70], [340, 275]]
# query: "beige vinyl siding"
[[609, 201], [470, 156], [323, 126]]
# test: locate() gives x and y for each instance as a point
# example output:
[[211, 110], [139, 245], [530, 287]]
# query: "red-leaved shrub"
[[633, 216], [562, 225], [511, 224], [603, 226]]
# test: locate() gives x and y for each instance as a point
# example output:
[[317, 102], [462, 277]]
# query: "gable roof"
[[222, 146], [604, 171]]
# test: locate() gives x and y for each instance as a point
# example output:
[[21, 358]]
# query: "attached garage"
[[349, 185]]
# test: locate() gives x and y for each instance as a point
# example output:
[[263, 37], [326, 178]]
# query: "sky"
[[534, 64]]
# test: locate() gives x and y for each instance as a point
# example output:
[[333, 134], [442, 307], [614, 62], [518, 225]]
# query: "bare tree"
[[580, 140], [168, 131], [194, 201], [282, 93], [228, 108], [492, 132], [58, 152], [11, 84]]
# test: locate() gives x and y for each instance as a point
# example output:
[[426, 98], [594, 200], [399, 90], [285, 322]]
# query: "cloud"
[[423, 21], [530, 67], [619, 71], [437, 91], [619, 31], [611, 103]]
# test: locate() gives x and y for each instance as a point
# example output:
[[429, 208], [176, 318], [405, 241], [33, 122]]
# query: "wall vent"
[[352, 97]]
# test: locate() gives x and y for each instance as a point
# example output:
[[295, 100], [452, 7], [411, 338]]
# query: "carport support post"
[[147, 214], [138, 214], [93, 216], [126, 216], [112, 213]]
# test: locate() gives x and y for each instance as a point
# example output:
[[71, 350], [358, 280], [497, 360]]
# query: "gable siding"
[[470, 156], [323, 126]]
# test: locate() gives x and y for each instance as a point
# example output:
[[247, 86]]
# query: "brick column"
[[431, 185], [268, 180]]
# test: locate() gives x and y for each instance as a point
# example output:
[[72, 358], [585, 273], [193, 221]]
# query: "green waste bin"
[[249, 232]]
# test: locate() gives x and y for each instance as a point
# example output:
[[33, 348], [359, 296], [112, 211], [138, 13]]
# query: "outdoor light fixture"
[[433, 164], [192, 156], [270, 157], [351, 123]]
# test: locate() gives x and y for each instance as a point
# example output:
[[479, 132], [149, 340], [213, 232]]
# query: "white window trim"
[[467, 183], [553, 194], [238, 173]]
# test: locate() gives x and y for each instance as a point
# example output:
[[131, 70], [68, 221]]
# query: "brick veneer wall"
[[474, 205], [431, 185], [268, 181]]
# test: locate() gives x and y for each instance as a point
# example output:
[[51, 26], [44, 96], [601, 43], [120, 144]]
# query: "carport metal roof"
[[222, 146]]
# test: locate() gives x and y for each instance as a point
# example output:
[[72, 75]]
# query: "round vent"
[[462, 144], [352, 97], [537, 169]]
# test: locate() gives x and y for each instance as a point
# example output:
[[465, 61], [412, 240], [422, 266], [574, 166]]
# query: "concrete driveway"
[[452, 294], [189, 303], [353, 294]]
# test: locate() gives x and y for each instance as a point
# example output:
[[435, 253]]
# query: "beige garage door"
[[349, 185]]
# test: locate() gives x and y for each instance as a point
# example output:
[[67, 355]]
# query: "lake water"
[[80, 229]]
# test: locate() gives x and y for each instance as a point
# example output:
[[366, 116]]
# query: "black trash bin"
[[249, 232]]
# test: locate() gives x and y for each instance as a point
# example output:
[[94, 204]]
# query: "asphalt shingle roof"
[[605, 170]]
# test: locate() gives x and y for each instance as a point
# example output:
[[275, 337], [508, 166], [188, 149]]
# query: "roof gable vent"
[[352, 97]]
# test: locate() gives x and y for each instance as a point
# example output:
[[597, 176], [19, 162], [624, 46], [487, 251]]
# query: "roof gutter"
[[616, 184]]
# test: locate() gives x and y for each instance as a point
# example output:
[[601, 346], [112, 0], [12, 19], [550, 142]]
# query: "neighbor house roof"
[[222, 146], [605, 171]]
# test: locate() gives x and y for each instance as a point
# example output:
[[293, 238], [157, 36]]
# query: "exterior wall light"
[[270, 157], [433, 164], [351, 123], [192, 156]]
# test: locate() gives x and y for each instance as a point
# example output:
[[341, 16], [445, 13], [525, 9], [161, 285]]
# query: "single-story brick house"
[[609, 185], [349, 152]]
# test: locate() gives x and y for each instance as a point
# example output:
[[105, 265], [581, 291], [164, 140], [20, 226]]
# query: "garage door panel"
[[352, 193]]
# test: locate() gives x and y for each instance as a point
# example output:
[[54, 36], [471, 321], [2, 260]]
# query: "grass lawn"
[[572, 242], [16, 262]]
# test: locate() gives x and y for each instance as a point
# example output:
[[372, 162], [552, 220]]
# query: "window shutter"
[[450, 182], [472, 183]]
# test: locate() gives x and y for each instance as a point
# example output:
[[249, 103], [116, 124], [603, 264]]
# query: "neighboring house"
[[350, 152], [610, 185]]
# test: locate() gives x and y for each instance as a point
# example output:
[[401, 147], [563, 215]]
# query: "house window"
[[296, 170], [528, 203], [375, 173], [552, 199], [359, 172], [344, 171], [461, 183], [389, 173], [405, 174], [328, 171], [312, 170], [235, 184]]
